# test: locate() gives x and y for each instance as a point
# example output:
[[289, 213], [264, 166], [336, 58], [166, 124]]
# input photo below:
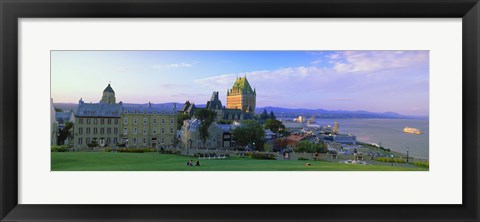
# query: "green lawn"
[[102, 161]]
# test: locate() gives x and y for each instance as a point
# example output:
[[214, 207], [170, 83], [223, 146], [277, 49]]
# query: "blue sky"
[[377, 81]]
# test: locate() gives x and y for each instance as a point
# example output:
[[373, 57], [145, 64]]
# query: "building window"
[[144, 121], [95, 121], [87, 140], [115, 130], [135, 130], [88, 121], [154, 120], [134, 141], [125, 131], [109, 130], [116, 121], [88, 131], [144, 141], [163, 120], [162, 141], [154, 130], [171, 141], [95, 130], [80, 121], [135, 120], [171, 120], [125, 120], [144, 130], [80, 140], [115, 140], [109, 140], [109, 121], [102, 131], [171, 130], [80, 130], [102, 121], [163, 130]]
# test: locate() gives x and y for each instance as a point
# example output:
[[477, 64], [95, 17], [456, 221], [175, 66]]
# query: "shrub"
[[93, 144], [59, 148], [301, 158], [423, 164], [263, 156], [389, 160]]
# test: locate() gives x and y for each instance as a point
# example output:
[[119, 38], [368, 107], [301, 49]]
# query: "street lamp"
[[407, 154]]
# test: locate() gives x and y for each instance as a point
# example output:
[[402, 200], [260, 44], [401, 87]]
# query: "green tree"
[[93, 144], [250, 132], [283, 132], [309, 147], [65, 133], [180, 118], [272, 116], [206, 118], [264, 115], [274, 125]]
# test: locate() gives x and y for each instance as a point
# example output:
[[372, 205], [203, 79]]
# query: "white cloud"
[[175, 65], [372, 61]]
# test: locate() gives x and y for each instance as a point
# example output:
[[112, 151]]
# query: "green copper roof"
[[242, 85]]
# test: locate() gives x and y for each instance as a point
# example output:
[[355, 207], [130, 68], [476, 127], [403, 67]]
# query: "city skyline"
[[377, 81]]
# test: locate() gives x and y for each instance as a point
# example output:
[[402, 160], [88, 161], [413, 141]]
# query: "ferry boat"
[[411, 130]]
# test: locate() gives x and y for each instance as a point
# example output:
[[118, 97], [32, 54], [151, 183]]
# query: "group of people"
[[190, 163]]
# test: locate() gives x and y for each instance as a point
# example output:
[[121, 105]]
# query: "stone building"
[[108, 95], [188, 108], [148, 127], [98, 122], [53, 125], [241, 96], [191, 135]]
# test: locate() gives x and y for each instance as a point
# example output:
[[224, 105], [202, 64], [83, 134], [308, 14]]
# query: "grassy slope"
[[99, 161]]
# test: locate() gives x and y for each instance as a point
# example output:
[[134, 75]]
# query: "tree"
[[274, 125], [180, 118], [279, 144], [282, 132], [93, 144], [249, 133], [264, 115], [272, 116], [65, 133], [309, 147], [206, 118]]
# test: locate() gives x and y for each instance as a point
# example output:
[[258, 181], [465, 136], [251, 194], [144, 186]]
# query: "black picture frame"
[[11, 11]]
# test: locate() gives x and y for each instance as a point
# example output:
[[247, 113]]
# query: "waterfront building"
[[338, 138], [148, 127], [336, 127], [241, 96]]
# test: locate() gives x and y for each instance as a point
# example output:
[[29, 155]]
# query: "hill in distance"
[[278, 111]]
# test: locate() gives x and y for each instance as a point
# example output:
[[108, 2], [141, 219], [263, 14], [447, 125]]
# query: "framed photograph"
[[225, 110]]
